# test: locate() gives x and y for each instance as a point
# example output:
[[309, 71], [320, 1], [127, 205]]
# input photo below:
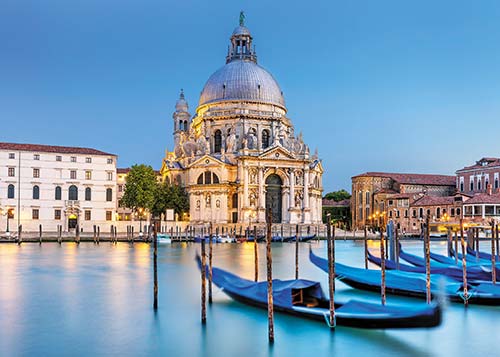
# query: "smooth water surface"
[[96, 300]]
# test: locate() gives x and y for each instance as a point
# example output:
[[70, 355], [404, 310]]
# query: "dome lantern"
[[241, 44]]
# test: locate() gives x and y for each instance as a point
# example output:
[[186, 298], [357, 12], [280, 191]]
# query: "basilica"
[[239, 154]]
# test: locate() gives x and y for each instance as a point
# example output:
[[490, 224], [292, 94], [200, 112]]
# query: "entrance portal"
[[72, 221], [273, 196]]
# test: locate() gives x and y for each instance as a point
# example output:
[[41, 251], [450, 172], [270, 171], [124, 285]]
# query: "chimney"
[[489, 189]]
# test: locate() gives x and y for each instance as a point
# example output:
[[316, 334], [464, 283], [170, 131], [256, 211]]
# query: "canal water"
[[96, 300]]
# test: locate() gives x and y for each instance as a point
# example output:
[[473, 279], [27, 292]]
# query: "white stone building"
[[239, 154], [56, 185]]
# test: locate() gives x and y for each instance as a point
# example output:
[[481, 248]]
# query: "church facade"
[[239, 154]]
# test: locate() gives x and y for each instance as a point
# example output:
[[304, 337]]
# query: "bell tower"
[[182, 118]]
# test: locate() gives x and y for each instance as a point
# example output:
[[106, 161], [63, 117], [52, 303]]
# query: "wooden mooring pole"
[[255, 253], [497, 239], [40, 233], [382, 266], [210, 250], [59, 233], [297, 238], [203, 280], [464, 264], [269, 260], [19, 234], [95, 234], [493, 255], [77, 236], [366, 247], [427, 260], [155, 269], [98, 234], [456, 247], [330, 244], [477, 244]]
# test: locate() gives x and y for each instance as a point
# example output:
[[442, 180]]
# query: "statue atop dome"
[[242, 18]]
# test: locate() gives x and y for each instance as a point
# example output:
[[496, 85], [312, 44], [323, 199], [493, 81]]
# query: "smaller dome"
[[181, 105], [241, 30]]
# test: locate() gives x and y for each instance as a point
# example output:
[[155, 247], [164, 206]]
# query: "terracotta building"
[[393, 195]]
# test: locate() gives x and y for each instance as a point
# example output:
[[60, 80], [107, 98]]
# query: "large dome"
[[242, 80]]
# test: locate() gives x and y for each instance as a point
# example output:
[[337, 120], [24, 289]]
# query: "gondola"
[[305, 298], [411, 284], [482, 255], [301, 239], [447, 265], [452, 271], [163, 238]]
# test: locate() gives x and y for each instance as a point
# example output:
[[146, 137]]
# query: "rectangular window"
[[73, 158], [36, 173], [58, 158], [391, 202], [109, 215], [88, 160], [414, 213], [72, 174], [35, 213], [12, 171], [12, 155], [36, 157], [57, 214], [110, 176], [120, 189], [110, 161], [88, 215], [88, 175]]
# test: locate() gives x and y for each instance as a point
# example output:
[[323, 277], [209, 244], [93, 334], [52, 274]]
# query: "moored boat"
[[305, 298], [411, 284]]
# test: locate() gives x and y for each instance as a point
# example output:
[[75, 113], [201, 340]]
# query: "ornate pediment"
[[277, 153], [207, 161]]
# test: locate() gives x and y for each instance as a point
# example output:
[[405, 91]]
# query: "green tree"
[[338, 195], [170, 196], [140, 188]]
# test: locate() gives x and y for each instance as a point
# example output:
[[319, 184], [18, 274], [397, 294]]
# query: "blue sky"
[[405, 86]]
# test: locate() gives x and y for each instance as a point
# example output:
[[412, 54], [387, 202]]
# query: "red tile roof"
[[414, 179], [485, 162], [332, 203], [434, 201], [52, 149], [123, 170], [484, 198]]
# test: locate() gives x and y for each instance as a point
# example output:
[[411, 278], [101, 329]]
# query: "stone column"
[[262, 199], [259, 137], [306, 188], [245, 186], [291, 202]]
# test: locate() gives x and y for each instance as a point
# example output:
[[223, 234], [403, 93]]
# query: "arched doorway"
[[273, 196], [72, 221]]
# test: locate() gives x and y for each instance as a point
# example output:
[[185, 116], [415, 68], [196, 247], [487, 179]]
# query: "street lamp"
[[141, 210]]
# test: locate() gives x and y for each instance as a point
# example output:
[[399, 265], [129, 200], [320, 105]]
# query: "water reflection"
[[97, 300]]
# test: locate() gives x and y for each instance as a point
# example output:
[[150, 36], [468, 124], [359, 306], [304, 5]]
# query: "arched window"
[[265, 138], [438, 212], [178, 180], [235, 200], [217, 141], [109, 195], [36, 192], [10, 191], [208, 178], [420, 212], [185, 125], [73, 193], [496, 183], [58, 192], [88, 194], [479, 184], [458, 211]]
